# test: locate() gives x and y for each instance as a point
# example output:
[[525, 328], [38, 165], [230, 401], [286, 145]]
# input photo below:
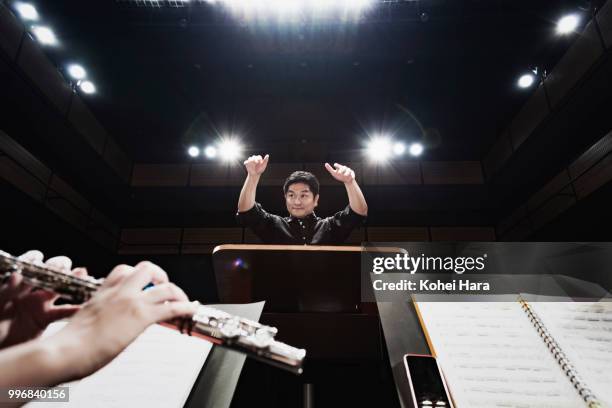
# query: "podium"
[[312, 294]]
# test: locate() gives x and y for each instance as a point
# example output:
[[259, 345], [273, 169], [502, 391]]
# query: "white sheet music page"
[[157, 370], [492, 356], [583, 330]]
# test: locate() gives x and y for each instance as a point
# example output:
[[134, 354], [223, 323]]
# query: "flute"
[[223, 329]]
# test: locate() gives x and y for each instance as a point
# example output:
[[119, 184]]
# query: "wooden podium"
[[312, 294]]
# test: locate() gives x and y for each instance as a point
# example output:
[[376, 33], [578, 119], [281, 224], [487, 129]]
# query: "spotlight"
[[379, 149], [44, 35], [76, 71], [210, 152], [230, 150], [526, 80], [416, 149], [193, 151], [399, 148], [567, 24], [88, 87], [26, 11]]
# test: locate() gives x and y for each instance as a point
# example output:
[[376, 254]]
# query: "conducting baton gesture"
[[256, 165], [341, 173], [346, 175]]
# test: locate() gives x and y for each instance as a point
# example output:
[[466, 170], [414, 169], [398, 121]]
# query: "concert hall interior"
[[117, 119]]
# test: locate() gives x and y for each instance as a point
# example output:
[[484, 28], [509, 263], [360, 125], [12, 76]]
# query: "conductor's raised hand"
[[341, 173], [256, 165]]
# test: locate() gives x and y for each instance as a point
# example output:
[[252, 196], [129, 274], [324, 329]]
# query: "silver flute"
[[223, 329]]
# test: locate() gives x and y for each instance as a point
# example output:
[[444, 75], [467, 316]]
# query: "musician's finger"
[[172, 310], [32, 256], [61, 312], [165, 292], [80, 272], [330, 168], [44, 296], [63, 263], [10, 289], [118, 274], [144, 273]]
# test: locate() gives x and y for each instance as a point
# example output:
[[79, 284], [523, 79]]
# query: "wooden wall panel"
[[604, 20], [594, 178], [21, 179], [24, 158], [550, 189], [572, 67], [462, 234], [160, 175], [87, 125], [551, 209], [117, 159], [498, 155], [11, 31], [460, 172], [512, 220], [67, 211], [529, 117], [593, 154], [35, 64], [213, 174], [398, 234], [153, 236], [395, 173], [63, 190], [212, 236]]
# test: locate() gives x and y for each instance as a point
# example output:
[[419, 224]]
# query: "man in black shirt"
[[301, 191]]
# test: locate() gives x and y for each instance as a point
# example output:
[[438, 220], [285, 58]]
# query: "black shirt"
[[312, 230]]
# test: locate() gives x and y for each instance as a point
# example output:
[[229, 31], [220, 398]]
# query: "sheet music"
[[491, 356], [157, 370], [584, 331]]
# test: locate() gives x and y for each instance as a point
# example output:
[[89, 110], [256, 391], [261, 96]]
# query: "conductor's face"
[[300, 200]]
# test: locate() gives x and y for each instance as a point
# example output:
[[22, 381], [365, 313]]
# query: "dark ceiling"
[[168, 77]]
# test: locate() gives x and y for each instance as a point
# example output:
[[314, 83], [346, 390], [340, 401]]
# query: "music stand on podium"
[[312, 294]]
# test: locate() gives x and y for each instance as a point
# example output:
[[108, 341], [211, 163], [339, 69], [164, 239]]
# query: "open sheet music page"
[[492, 356], [583, 330], [157, 370]]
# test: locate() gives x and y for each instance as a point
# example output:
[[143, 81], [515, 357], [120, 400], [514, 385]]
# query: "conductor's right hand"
[[256, 165]]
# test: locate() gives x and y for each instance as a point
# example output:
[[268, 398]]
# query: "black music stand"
[[312, 294]]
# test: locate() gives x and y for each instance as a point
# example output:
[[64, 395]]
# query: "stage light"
[[257, 8], [193, 151], [210, 152], [76, 71], [526, 80], [229, 149], [88, 87], [379, 149], [399, 148], [416, 149], [567, 24], [26, 11], [44, 35]]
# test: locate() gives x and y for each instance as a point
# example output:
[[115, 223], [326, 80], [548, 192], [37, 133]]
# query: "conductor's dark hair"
[[302, 177]]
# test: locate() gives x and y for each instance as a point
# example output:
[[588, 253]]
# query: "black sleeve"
[[343, 222], [257, 219]]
